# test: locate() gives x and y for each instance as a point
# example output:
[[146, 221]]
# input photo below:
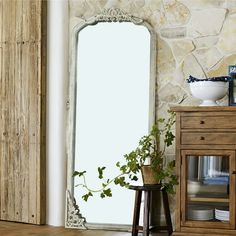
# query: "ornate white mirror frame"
[[73, 217]]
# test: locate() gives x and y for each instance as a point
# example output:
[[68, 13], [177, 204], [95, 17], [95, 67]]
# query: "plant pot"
[[148, 175]]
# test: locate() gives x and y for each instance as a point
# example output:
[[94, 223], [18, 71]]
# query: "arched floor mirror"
[[111, 105]]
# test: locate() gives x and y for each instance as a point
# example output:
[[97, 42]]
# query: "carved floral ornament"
[[117, 15], [74, 218]]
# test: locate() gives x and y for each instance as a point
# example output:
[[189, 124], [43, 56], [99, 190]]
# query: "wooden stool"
[[148, 189]]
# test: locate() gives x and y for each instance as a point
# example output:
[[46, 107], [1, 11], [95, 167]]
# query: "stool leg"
[[137, 203], [147, 195], [167, 212]]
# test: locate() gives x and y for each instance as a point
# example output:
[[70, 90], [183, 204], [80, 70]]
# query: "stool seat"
[[148, 189]]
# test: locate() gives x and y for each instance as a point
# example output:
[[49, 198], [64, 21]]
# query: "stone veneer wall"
[[196, 37]]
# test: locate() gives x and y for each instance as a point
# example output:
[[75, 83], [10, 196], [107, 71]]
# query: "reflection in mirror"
[[113, 94], [112, 109]]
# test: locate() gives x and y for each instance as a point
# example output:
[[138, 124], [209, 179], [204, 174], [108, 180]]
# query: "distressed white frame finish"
[[73, 217]]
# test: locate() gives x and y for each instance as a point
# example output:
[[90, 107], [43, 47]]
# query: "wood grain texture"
[[22, 102], [178, 173], [206, 138], [197, 109], [204, 131], [205, 199], [208, 122], [17, 229], [191, 231]]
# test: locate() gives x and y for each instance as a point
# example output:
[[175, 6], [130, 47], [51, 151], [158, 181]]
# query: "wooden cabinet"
[[206, 166]]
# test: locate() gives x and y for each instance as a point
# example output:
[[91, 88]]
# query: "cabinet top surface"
[[203, 108]]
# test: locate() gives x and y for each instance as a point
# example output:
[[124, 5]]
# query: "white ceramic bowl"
[[193, 187], [209, 91]]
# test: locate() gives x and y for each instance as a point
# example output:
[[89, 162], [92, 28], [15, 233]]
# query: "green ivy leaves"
[[148, 149], [77, 173], [121, 181], [86, 196], [106, 193], [100, 172]]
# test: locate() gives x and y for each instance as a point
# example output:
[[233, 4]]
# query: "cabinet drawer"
[[208, 122], [208, 138]]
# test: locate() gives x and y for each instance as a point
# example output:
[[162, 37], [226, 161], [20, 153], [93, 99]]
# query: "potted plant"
[[148, 158]]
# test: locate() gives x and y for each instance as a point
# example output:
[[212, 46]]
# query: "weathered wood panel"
[[22, 103], [206, 138]]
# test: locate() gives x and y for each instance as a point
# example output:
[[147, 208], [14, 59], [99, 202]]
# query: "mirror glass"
[[112, 111]]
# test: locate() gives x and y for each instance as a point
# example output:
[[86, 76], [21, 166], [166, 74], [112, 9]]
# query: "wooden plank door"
[[22, 117]]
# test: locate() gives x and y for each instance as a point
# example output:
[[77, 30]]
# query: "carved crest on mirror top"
[[73, 216]]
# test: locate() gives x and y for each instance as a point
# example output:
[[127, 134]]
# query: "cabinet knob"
[[234, 172], [202, 138], [202, 122]]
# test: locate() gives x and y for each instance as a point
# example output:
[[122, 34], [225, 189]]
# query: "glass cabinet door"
[[208, 189]]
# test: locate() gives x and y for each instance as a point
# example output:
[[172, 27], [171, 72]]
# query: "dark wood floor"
[[17, 229]]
